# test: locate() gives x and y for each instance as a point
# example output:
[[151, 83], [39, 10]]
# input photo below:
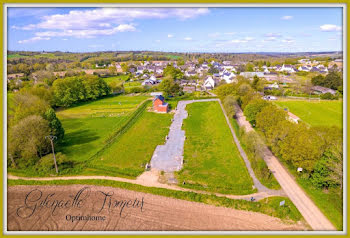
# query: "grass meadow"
[[88, 126], [119, 79], [211, 159], [316, 113], [128, 155]]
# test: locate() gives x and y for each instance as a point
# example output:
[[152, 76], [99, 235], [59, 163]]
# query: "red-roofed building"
[[293, 117], [159, 105]]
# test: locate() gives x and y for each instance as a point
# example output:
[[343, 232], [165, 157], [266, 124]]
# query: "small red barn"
[[159, 105]]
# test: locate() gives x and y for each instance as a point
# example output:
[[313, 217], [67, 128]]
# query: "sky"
[[175, 29]]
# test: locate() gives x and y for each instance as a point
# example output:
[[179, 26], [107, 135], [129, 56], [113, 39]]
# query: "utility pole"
[[51, 138]]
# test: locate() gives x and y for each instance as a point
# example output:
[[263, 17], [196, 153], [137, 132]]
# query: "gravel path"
[[169, 157], [305, 205]]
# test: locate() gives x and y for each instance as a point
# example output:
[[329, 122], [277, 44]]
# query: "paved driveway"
[[169, 157]]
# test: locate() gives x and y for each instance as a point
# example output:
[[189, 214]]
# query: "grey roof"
[[159, 97]]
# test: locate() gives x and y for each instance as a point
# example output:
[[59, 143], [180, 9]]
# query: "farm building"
[[159, 105], [321, 90], [293, 118]]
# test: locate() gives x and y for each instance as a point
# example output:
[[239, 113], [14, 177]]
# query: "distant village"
[[206, 75]]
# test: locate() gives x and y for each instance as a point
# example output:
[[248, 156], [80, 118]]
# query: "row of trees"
[[318, 150], [70, 90], [332, 80], [30, 120]]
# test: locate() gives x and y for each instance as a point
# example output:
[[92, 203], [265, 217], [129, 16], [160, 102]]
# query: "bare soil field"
[[98, 208]]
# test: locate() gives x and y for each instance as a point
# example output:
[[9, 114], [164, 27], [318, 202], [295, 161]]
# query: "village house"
[[159, 104], [293, 118], [189, 89], [14, 76], [190, 73], [272, 76], [228, 77], [322, 90], [287, 68], [251, 74], [209, 83]]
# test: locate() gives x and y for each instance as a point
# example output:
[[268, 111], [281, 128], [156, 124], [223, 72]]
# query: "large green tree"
[[56, 128], [269, 116], [253, 108], [27, 140], [174, 73]]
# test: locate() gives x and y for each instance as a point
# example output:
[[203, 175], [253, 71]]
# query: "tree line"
[[318, 149]]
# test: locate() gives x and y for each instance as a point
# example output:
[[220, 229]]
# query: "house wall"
[[161, 109], [157, 103]]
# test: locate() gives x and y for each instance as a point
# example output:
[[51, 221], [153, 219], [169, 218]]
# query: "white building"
[[209, 83], [287, 68], [228, 77]]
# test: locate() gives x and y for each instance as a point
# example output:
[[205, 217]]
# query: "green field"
[[316, 113], [106, 107], [88, 126], [119, 79], [211, 159], [128, 155], [93, 139], [132, 84]]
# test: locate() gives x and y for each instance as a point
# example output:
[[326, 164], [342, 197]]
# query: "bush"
[[229, 105], [328, 96], [46, 166]]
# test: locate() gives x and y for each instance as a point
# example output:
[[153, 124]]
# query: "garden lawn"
[[316, 113], [128, 155], [211, 159]]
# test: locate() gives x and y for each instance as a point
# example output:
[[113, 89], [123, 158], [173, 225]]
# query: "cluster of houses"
[[150, 72]]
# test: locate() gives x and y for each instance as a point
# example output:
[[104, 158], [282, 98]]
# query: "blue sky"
[[176, 29]]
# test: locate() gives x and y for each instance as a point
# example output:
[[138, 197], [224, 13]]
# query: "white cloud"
[[87, 33], [238, 41], [332, 39], [95, 46], [288, 40], [272, 38], [330, 27], [104, 21], [65, 39], [33, 39], [102, 17], [275, 35], [157, 41], [235, 41], [214, 35], [230, 33], [170, 36], [188, 38], [286, 17], [248, 38]]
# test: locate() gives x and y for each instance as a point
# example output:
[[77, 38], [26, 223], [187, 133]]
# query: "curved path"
[[305, 205], [147, 179], [257, 183]]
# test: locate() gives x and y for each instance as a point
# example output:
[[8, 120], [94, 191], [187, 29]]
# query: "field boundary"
[[131, 121]]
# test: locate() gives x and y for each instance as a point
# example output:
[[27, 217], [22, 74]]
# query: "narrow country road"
[[147, 179], [305, 205]]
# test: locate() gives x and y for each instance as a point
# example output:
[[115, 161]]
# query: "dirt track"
[[158, 213], [312, 214]]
